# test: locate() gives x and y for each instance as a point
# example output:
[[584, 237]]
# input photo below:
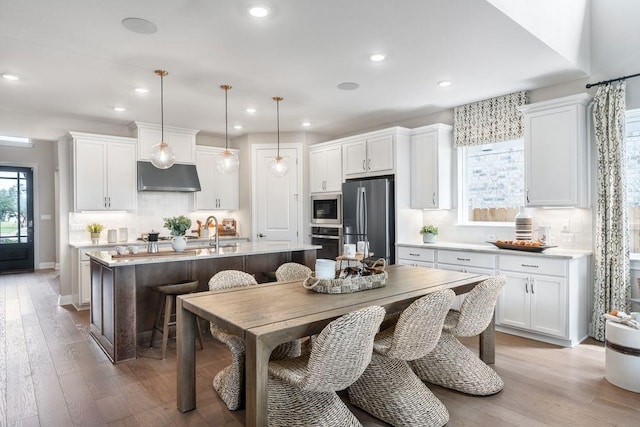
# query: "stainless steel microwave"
[[326, 208]]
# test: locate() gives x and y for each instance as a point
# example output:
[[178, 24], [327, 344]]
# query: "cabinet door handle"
[[369, 164], [463, 259], [533, 282], [109, 201], [526, 285], [529, 265], [414, 254], [433, 199], [364, 164], [528, 196], [105, 202]]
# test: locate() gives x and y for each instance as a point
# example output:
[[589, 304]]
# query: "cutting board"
[[145, 254]]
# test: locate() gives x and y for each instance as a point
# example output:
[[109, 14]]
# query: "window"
[[491, 180], [632, 140]]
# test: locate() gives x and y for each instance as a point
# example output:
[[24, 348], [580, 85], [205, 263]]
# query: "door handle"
[[533, 281], [528, 196], [364, 165], [369, 164], [109, 201], [433, 199], [526, 285], [261, 235]]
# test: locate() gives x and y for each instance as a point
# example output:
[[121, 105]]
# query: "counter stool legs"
[[166, 306]]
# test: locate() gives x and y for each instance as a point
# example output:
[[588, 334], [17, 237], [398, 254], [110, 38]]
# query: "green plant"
[[177, 225], [429, 229], [94, 228]]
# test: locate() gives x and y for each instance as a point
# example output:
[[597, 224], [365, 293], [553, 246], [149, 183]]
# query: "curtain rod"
[[604, 82]]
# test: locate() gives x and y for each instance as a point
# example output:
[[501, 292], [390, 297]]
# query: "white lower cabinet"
[[85, 282], [544, 299], [419, 257], [466, 262]]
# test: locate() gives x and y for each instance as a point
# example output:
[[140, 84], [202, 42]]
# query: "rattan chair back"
[[419, 326], [477, 308], [228, 279], [342, 351], [292, 271]]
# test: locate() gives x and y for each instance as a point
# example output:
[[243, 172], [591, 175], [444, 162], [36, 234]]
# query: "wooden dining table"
[[271, 314]]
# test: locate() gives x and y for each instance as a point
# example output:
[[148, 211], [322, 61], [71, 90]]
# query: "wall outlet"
[[491, 237]]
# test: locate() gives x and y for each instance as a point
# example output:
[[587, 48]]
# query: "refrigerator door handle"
[[364, 215], [358, 209]]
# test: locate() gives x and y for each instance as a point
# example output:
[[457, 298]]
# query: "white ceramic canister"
[[112, 236], [325, 269]]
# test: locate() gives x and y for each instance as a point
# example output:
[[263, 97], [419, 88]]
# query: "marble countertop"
[[489, 248], [103, 245], [195, 252]]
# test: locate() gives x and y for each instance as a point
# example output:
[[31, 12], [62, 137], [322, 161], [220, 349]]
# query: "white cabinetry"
[[81, 278], [420, 257], [544, 298], [431, 167], [466, 262], [219, 191], [181, 140], [557, 152], [104, 172], [372, 155], [325, 169]]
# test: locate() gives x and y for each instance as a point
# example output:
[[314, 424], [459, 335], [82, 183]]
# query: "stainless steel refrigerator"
[[368, 214]]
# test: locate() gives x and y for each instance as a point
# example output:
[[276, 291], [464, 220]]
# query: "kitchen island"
[[123, 306]]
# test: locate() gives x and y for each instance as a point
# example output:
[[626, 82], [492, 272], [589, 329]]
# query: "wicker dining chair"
[[388, 388], [451, 364], [292, 271], [229, 382], [302, 391]]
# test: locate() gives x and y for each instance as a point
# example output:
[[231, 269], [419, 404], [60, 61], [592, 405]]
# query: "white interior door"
[[277, 200]]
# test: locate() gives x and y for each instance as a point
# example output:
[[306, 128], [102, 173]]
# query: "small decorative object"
[[524, 229], [178, 226], [95, 230], [350, 280], [429, 233]]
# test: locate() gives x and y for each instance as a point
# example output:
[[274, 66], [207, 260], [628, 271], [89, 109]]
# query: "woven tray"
[[350, 284]]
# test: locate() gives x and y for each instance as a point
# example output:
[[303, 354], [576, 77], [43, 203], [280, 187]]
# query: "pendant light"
[[278, 166], [162, 155], [227, 161]]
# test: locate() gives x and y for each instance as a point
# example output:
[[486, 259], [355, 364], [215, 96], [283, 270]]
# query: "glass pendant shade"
[[227, 161], [278, 166], [162, 156]]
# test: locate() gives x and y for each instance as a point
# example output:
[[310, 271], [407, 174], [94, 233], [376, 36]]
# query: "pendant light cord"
[[278, 121], [226, 122]]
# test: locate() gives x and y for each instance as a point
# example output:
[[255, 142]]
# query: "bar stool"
[[165, 310]]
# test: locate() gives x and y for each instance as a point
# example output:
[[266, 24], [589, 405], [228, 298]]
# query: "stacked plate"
[[524, 229]]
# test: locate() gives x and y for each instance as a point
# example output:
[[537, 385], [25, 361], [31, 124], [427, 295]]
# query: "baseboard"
[[46, 265], [65, 299]]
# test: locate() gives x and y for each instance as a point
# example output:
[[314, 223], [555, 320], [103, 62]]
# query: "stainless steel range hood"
[[178, 177]]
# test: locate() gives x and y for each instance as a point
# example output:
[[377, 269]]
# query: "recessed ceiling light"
[[119, 109], [237, 126], [250, 110], [139, 25], [258, 10], [377, 57], [11, 77], [348, 86], [141, 90], [306, 124], [444, 83]]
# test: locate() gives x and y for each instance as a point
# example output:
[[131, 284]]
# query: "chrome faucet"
[[215, 224]]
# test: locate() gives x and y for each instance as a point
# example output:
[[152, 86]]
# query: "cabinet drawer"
[[474, 259], [416, 254], [551, 267]]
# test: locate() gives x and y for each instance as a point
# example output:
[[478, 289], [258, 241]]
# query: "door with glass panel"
[[16, 219]]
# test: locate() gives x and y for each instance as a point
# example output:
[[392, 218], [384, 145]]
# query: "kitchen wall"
[[41, 158]]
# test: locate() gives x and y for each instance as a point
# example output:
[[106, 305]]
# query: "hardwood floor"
[[53, 374]]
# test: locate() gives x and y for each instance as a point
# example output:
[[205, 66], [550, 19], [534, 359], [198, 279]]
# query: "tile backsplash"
[[569, 228], [153, 206]]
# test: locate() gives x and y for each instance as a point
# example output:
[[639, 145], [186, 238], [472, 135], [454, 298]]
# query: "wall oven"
[[326, 208], [330, 238]]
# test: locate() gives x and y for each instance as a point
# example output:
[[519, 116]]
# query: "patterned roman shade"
[[492, 120]]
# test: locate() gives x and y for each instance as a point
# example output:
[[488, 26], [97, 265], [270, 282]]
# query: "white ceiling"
[[76, 60]]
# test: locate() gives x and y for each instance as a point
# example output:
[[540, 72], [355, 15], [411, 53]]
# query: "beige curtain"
[[612, 282], [492, 120]]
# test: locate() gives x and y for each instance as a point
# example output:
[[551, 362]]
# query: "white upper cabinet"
[[181, 140], [431, 167], [556, 152], [325, 169], [104, 172], [368, 156], [219, 191]]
